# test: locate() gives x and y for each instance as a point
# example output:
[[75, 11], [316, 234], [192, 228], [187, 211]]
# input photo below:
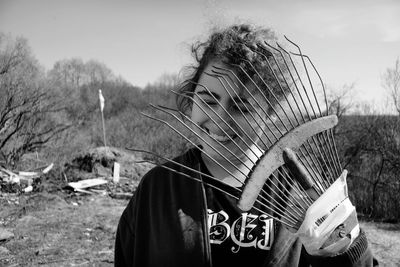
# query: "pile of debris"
[[105, 170], [23, 181]]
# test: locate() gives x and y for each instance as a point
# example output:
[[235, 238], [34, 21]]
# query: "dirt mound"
[[99, 162]]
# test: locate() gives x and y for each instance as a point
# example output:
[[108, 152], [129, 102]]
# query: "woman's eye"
[[241, 108], [210, 103]]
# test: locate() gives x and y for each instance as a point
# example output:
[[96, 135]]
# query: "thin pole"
[[101, 98], [104, 129]]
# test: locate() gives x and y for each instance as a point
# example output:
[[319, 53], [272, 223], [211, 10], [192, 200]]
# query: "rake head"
[[289, 152]]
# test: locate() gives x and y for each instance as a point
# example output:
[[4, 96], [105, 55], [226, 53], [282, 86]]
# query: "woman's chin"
[[222, 152]]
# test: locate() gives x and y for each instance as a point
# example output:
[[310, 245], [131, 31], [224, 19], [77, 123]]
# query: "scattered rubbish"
[[99, 171], [8, 176], [21, 182], [116, 172], [117, 166], [28, 189], [28, 174], [109, 251], [5, 235], [48, 168], [87, 183]]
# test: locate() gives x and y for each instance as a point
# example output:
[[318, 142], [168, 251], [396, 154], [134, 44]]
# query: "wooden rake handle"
[[300, 173]]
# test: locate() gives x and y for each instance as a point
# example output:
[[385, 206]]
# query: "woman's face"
[[226, 114]]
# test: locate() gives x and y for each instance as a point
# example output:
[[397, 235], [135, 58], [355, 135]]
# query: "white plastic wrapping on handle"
[[330, 210]]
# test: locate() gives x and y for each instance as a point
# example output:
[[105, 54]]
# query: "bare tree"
[[340, 101], [27, 106], [77, 83], [167, 80], [370, 146], [391, 82], [73, 73]]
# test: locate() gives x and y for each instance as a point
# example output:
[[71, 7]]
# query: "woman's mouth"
[[220, 138]]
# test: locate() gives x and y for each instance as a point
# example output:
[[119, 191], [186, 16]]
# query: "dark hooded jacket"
[[165, 224]]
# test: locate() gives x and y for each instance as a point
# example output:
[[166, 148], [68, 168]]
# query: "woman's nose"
[[223, 116]]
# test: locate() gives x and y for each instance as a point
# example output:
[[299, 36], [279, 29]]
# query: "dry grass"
[[50, 230], [384, 240]]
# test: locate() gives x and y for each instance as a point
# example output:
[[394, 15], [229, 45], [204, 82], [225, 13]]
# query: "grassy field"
[[384, 240], [68, 230]]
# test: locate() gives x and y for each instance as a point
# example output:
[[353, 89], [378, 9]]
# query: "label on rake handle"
[[273, 158]]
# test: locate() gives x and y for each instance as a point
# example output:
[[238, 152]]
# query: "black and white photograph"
[[199, 133]]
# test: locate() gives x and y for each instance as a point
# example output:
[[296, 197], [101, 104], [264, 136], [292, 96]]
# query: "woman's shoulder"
[[181, 165]]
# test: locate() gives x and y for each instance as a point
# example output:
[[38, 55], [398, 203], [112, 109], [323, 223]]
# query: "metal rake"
[[295, 157]]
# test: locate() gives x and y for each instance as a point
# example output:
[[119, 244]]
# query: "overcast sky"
[[350, 41]]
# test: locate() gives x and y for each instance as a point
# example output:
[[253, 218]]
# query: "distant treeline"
[[369, 147]]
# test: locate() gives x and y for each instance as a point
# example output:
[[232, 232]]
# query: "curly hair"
[[234, 45]]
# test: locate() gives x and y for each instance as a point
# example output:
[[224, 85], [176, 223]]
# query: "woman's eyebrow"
[[237, 99]]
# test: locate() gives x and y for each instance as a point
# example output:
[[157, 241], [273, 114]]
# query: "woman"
[[176, 221]]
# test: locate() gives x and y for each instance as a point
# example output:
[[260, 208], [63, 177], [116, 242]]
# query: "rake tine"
[[233, 98], [309, 80], [330, 153], [230, 117], [280, 191], [312, 166], [190, 141], [319, 77], [320, 164], [269, 90], [289, 71], [292, 219], [315, 160], [230, 127], [263, 109], [219, 76], [259, 105], [296, 188], [308, 76], [219, 153], [309, 101], [249, 92], [257, 112], [286, 191], [300, 81], [186, 117], [278, 100], [256, 100], [244, 116], [295, 84], [332, 147], [284, 79], [176, 163], [278, 66]]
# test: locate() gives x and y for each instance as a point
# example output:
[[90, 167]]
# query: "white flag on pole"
[[101, 100]]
